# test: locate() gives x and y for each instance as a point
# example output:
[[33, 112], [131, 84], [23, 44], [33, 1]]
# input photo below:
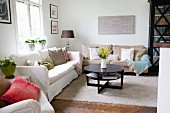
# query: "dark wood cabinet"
[[159, 28]]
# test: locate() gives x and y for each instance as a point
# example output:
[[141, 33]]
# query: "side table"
[[23, 76]]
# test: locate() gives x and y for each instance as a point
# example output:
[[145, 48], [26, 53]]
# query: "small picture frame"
[[53, 11], [54, 27], [5, 12]]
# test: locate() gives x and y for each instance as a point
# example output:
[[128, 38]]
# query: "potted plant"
[[41, 42], [8, 67], [31, 43]]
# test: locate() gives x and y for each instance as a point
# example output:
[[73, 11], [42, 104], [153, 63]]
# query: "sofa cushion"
[[114, 57], [88, 62], [139, 53], [85, 49], [44, 53], [48, 63], [22, 58], [57, 56], [121, 63], [21, 89], [117, 48], [127, 54], [94, 54], [4, 86], [59, 71]]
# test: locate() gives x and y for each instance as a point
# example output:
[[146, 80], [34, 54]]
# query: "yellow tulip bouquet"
[[103, 53]]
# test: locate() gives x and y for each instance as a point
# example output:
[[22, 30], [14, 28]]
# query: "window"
[[28, 21]]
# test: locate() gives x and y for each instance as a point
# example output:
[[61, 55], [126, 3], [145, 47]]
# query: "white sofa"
[[30, 106], [51, 81]]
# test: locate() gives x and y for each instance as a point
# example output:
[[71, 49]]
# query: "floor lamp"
[[67, 34]]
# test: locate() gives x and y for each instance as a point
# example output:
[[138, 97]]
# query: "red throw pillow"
[[21, 89]]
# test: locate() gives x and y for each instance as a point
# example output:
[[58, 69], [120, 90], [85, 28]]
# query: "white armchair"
[[30, 106]]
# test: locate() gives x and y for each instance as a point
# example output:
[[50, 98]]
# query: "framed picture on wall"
[[5, 13], [53, 11], [54, 27]]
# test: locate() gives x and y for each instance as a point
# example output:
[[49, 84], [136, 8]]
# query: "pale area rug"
[[137, 90]]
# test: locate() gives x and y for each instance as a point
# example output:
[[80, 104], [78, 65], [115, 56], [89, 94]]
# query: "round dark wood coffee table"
[[112, 72]]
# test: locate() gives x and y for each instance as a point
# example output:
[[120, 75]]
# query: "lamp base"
[[68, 47]]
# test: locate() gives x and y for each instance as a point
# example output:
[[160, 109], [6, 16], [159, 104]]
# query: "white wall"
[[82, 17], [8, 43], [7, 38], [164, 82], [52, 39]]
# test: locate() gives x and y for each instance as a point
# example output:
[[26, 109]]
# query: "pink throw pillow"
[[21, 89]]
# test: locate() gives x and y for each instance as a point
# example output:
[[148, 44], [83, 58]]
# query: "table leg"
[[122, 75], [98, 85], [87, 78]]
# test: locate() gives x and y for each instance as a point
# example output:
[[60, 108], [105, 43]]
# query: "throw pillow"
[[127, 54], [21, 89], [4, 86], [94, 54], [28, 63], [57, 56], [64, 49], [48, 63], [36, 63], [114, 57], [139, 53]]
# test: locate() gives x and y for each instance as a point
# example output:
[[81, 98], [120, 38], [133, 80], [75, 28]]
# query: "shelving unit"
[[159, 28]]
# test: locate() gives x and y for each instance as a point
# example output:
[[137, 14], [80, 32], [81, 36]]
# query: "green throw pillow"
[[48, 63]]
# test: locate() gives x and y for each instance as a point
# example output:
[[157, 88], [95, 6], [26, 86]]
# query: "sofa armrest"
[[26, 106], [78, 58], [38, 74], [44, 103]]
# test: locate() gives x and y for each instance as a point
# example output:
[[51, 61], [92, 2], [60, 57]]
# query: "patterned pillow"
[[21, 89]]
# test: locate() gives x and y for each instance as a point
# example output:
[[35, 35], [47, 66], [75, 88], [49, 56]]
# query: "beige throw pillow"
[[57, 56], [114, 57], [139, 53]]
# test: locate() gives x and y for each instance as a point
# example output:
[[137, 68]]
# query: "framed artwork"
[[5, 13], [54, 27], [110, 25], [53, 11]]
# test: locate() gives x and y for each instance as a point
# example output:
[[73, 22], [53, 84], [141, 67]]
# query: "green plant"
[[8, 67], [7, 62], [30, 41], [41, 40]]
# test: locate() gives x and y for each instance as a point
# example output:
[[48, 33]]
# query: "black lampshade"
[[67, 34]]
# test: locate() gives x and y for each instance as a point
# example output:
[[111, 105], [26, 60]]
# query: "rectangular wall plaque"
[[109, 25]]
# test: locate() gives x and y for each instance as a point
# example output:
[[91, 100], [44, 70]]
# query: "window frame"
[[28, 3]]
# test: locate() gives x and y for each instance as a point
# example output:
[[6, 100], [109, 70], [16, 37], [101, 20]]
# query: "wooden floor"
[[69, 106]]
